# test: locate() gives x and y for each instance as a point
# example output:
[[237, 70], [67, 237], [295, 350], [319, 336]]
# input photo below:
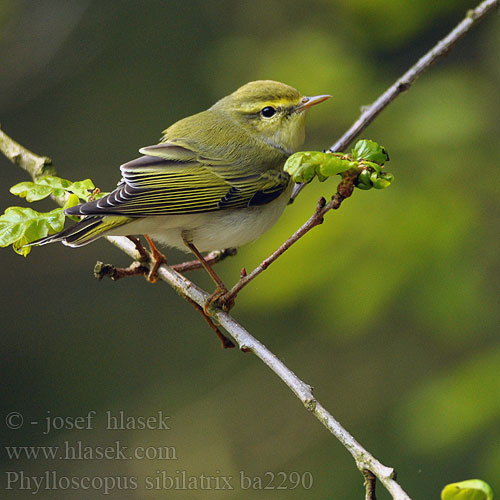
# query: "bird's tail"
[[86, 231]]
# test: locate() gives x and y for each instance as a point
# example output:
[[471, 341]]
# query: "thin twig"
[[364, 459], [313, 221], [404, 83], [344, 190], [102, 270], [211, 258]]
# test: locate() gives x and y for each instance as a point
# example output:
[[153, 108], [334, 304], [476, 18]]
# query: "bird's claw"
[[157, 258]]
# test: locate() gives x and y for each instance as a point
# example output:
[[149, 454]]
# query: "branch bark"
[[35, 165], [365, 461]]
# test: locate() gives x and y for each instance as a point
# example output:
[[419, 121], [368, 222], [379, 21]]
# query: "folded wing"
[[172, 178]]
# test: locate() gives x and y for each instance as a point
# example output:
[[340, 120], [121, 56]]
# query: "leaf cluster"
[[20, 226], [366, 160]]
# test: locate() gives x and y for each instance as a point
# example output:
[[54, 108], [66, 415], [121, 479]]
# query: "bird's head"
[[271, 111]]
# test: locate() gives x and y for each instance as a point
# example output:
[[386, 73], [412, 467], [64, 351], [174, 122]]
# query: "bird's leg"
[[144, 257], [206, 266], [158, 260], [221, 288]]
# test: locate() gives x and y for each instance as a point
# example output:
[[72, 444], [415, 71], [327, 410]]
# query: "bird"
[[214, 181]]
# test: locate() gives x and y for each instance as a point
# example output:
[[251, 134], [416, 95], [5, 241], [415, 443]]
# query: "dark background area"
[[388, 309]]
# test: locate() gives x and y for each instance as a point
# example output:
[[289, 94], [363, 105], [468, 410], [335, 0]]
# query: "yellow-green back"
[[258, 124]]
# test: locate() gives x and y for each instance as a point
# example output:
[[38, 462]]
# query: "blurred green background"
[[388, 309]]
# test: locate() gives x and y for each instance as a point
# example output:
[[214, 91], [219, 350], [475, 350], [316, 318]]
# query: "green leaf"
[[54, 182], [82, 189], [47, 185], [11, 228], [364, 180], [101, 194], [333, 165], [370, 151], [374, 166], [367, 172], [20, 247], [303, 166], [20, 226], [31, 191], [472, 489], [378, 181], [299, 167], [372, 175], [72, 201]]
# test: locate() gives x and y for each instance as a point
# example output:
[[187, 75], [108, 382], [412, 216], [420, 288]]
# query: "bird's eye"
[[268, 111]]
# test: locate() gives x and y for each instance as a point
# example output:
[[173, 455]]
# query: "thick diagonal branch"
[[35, 165]]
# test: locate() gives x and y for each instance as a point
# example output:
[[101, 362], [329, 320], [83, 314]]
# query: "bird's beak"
[[307, 102]]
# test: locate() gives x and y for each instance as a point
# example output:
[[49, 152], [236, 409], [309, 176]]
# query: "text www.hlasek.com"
[[178, 480], [80, 451]]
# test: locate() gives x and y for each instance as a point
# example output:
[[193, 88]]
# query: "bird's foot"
[[143, 254], [157, 259]]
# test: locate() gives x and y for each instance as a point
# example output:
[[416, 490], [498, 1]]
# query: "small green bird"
[[215, 180]]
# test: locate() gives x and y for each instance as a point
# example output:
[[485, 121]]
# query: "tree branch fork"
[[368, 465]]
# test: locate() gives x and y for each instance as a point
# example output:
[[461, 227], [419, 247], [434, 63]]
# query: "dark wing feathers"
[[172, 179]]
